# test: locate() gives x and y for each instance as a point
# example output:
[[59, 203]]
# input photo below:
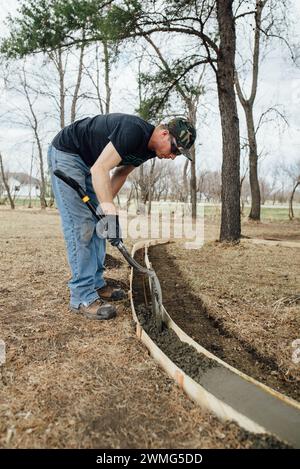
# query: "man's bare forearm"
[[103, 188], [100, 172], [119, 177], [117, 181]]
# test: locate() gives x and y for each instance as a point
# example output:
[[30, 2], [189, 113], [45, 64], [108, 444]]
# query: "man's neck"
[[153, 140]]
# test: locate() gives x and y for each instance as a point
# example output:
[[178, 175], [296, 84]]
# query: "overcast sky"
[[279, 84]]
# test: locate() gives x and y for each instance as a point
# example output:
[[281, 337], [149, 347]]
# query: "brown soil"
[[228, 298], [71, 382], [278, 231], [112, 262]]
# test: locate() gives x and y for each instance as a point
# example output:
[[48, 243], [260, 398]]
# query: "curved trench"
[[263, 407], [191, 315], [183, 355]]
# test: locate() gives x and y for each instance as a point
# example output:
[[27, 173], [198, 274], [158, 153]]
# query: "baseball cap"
[[185, 135]]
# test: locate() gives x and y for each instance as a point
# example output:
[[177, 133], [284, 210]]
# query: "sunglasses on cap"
[[174, 149]]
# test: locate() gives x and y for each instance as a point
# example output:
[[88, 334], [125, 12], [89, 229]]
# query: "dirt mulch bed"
[[239, 302], [71, 382], [284, 231]]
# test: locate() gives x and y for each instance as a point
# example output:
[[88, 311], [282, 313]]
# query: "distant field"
[[212, 211], [267, 213], [25, 202]]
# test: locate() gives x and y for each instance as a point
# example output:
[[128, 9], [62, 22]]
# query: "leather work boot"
[[109, 293], [97, 310]]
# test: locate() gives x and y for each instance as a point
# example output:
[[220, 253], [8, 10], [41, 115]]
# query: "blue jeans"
[[86, 251]]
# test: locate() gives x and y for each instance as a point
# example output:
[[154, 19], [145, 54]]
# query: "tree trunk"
[[253, 160], [193, 185], [291, 210], [107, 73], [136, 194], [34, 125], [62, 93], [78, 82], [30, 184], [230, 217], [6, 185], [151, 184], [56, 58], [248, 109], [185, 181], [192, 107], [97, 85], [43, 182], [150, 200], [129, 198]]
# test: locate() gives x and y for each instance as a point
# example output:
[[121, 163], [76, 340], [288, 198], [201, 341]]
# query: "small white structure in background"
[[21, 186]]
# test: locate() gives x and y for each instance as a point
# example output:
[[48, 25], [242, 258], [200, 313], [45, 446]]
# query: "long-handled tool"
[[155, 287]]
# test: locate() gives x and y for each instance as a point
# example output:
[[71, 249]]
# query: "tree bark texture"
[[11, 201], [107, 76], [230, 217], [248, 109], [78, 82], [291, 210], [253, 163]]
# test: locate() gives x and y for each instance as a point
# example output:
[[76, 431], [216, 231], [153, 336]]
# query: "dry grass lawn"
[[71, 382]]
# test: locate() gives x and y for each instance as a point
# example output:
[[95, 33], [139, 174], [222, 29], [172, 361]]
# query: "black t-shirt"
[[88, 137]]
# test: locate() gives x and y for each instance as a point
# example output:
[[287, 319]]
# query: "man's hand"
[[109, 228]]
